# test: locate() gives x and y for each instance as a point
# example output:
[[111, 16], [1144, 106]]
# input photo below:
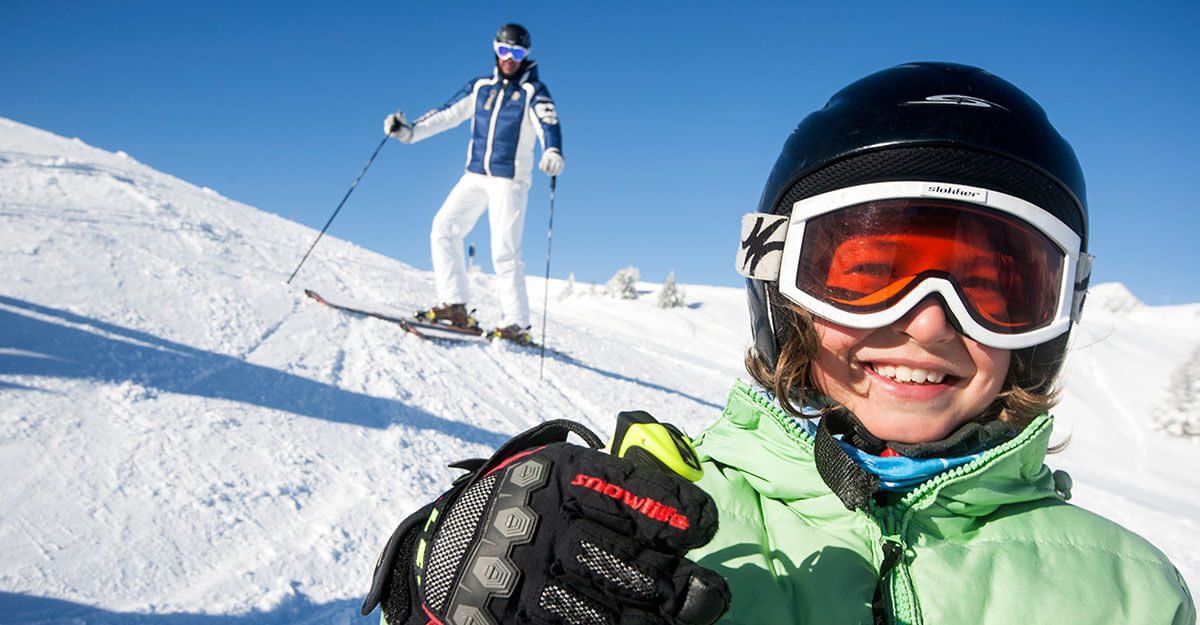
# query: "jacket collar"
[[527, 73], [777, 458]]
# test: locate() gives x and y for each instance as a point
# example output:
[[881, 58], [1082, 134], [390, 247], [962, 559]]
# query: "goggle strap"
[[1083, 274], [761, 251]]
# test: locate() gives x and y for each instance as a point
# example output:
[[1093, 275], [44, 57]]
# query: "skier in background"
[[918, 259], [508, 110]]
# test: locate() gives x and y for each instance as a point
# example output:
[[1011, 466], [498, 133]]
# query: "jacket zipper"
[[487, 154], [893, 591], [895, 600], [881, 604]]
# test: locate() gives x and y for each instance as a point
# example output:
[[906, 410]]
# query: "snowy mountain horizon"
[[189, 439]]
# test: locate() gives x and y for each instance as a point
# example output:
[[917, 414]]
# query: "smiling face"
[[914, 381]]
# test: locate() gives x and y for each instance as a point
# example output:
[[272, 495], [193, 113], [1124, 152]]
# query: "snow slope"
[[184, 438]]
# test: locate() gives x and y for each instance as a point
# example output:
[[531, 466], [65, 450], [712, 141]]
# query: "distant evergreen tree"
[[1179, 414], [670, 296], [569, 289], [623, 284]]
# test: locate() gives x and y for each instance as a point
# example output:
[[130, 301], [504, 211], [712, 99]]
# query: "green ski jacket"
[[987, 543]]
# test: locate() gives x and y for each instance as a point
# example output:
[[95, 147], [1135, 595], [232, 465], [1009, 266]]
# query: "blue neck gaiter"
[[895, 473]]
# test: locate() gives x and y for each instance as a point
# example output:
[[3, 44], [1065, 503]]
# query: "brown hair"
[[1029, 388]]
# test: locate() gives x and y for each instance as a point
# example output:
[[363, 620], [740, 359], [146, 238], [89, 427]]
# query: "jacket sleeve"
[[449, 115], [1186, 612], [545, 119]]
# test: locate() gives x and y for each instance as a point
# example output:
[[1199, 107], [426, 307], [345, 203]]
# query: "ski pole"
[[546, 285], [339, 207]]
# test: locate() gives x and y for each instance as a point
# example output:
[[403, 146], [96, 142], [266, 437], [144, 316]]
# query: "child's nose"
[[927, 323]]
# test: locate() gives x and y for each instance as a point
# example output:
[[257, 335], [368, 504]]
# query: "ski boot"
[[514, 333], [455, 315]]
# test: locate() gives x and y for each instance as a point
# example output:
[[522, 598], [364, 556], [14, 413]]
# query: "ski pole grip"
[[642, 440]]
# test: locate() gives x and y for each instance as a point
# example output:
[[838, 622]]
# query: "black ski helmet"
[[514, 34], [939, 122]]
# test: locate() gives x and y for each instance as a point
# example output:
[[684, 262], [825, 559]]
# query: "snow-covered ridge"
[[1112, 297], [185, 438]]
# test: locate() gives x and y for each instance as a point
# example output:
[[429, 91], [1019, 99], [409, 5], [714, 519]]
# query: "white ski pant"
[[504, 200]]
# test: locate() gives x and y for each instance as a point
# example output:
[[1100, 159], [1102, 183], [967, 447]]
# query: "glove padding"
[[396, 125], [552, 162], [547, 532]]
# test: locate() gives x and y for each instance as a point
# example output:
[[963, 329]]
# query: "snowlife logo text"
[[645, 505]]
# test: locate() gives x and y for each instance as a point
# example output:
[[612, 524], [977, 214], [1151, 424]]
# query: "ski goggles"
[[509, 51], [1010, 273]]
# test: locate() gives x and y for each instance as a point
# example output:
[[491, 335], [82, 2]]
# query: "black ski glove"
[[396, 125], [547, 532]]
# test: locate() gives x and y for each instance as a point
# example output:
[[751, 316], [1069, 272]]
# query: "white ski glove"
[[552, 162], [397, 126]]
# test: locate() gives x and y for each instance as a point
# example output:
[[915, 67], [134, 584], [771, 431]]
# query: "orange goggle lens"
[[866, 258]]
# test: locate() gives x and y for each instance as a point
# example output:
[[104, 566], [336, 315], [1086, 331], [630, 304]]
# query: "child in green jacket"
[[914, 269], [918, 258]]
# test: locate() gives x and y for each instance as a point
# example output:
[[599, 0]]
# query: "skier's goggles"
[[1010, 274], [507, 51]]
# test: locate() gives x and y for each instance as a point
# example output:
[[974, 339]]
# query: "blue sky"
[[672, 113]]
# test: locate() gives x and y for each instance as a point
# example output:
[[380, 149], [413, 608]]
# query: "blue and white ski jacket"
[[506, 114]]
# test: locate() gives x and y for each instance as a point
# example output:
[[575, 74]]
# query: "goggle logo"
[[971, 194], [958, 100]]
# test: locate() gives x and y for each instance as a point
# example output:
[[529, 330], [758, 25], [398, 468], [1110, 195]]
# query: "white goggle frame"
[[496, 48], [770, 251]]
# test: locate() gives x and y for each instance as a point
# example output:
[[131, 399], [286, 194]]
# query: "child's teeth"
[[909, 375]]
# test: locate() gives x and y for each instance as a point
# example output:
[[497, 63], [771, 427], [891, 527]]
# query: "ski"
[[432, 331], [435, 331], [531, 345], [442, 332]]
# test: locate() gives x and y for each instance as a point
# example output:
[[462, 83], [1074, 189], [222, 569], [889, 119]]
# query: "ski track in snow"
[[1134, 430], [186, 439]]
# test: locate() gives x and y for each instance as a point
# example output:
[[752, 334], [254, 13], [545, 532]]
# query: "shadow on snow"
[[18, 609], [37, 340], [451, 343], [624, 378]]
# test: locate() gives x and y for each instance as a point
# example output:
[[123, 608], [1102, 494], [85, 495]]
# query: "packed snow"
[[185, 438]]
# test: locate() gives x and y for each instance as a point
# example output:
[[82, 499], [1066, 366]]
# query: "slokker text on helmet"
[[954, 190]]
